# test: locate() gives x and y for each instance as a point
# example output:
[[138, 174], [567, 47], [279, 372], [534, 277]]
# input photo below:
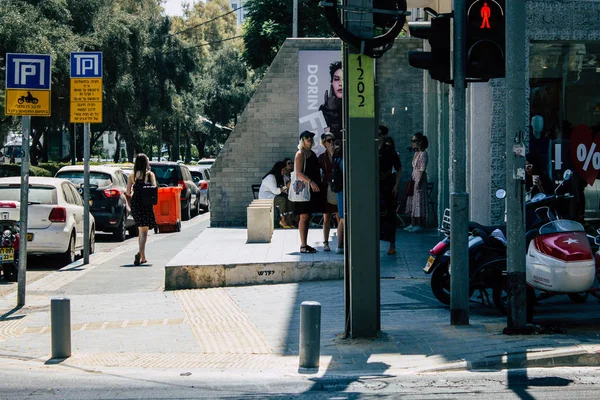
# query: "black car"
[[177, 174], [108, 205]]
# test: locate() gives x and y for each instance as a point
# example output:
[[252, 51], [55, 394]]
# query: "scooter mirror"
[[500, 193], [567, 175]]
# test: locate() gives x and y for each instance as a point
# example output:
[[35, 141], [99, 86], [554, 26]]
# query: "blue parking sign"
[[28, 71], [86, 64]]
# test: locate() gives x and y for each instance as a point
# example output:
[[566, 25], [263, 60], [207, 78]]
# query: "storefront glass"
[[565, 121]]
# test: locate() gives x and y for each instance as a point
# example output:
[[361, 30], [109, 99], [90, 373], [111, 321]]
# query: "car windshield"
[[165, 174], [561, 225], [206, 162], [76, 177], [37, 194]]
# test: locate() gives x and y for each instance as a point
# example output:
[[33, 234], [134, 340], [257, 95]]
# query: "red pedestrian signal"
[[486, 42], [486, 12]]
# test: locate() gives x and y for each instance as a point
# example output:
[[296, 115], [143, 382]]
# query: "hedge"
[[15, 170]]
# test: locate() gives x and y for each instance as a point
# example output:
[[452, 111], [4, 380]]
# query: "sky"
[[173, 7]]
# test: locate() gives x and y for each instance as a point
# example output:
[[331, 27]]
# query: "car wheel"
[[578, 298], [187, 213], [69, 255], [93, 240], [120, 232]]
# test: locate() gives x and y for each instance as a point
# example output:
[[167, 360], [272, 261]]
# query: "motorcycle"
[[487, 248], [27, 99], [9, 249], [559, 261]]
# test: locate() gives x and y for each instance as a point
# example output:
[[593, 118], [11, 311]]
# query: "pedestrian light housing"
[[437, 60], [486, 41]]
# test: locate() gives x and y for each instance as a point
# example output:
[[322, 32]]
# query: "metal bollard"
[[60, 320], [310, 334]]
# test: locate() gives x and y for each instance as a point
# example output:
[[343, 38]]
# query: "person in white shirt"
[[272, 187]]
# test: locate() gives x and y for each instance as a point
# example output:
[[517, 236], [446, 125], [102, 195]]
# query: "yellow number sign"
[[361, 86]]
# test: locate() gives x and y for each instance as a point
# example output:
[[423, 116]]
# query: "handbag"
[[149, 194], [299, 190], [331, 196], [409, 190]]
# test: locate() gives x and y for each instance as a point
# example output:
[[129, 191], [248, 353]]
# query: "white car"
[[55, 215]]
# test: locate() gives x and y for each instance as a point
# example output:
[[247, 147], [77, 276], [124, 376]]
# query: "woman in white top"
[[272, 187]]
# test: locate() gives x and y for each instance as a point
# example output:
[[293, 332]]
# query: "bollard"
[[60, 317], [310, 334]]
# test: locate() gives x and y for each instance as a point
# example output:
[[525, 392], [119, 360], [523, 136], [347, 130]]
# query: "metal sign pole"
[[86, 193], [22, 274]]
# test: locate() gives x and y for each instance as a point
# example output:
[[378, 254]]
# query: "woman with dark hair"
[[308, 171], [143, 215], [272, 187], [332, 104], [416, 205], [388, 191]]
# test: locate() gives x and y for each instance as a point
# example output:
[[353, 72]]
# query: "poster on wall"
[[320, 93]]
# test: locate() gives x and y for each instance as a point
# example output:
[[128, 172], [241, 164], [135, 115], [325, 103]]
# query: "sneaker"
[[326, 246], [416, 229], [409, 228], [339, 250]]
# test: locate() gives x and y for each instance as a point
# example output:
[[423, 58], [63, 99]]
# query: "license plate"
[[29, 237], [7, 254], [429, 264], [4, 216]]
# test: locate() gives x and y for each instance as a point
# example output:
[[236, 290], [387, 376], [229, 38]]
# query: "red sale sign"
[[585, 153]]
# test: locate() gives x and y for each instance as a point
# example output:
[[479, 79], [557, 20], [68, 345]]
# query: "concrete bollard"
[[60, 323], [310, 334]]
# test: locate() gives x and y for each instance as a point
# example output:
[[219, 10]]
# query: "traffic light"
[[437, 61], [486, 41]]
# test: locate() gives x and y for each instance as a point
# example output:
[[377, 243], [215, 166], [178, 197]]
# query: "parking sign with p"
[[86, 87], [28, 81]]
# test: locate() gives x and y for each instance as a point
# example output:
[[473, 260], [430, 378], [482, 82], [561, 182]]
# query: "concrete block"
[[191, 277], [260, 221]]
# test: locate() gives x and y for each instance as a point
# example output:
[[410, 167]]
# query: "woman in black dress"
[[307, 169], [143, 215], [388, 191]]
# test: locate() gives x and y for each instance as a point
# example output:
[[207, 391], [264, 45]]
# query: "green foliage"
[[15, 170], [269, 23], [155, 67]]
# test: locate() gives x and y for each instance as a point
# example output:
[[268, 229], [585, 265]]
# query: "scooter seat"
[[486, 229]]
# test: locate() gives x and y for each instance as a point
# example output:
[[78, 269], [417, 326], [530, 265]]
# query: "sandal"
[[326, 246], [136, 260], [307, 249]]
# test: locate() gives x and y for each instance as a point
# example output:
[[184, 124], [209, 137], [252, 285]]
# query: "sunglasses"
[[415, 140], [329, 140], [289, 163]]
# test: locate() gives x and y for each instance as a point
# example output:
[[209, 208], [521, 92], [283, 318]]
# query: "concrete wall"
[[267, 130]]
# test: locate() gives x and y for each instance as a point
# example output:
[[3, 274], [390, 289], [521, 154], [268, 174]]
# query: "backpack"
[[336, 181]]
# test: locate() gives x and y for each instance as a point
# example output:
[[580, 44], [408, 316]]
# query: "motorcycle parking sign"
[[28, 80]]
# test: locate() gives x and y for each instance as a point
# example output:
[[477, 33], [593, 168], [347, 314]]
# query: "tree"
[[269, 23]]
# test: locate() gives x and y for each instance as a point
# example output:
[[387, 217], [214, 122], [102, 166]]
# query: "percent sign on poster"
[[586, 156]]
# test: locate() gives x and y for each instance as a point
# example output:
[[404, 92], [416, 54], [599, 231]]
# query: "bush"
[[53, 167], [15, 170]]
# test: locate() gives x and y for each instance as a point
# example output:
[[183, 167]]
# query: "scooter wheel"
[[578, 298], [440, 283]]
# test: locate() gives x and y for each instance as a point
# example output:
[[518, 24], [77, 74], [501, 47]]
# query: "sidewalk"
[[255, 329]]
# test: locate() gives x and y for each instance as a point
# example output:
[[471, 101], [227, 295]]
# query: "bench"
[[260, 217]]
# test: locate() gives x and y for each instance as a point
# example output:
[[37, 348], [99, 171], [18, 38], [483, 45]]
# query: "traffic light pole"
[[515, 162], [459, 198]]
